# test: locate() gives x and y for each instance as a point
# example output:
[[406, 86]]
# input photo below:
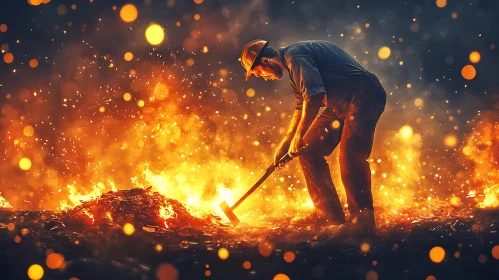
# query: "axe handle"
[[287, 158]]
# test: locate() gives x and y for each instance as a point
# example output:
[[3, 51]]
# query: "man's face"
[[268, 71]]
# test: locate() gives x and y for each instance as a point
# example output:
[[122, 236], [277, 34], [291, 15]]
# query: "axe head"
[[228, 212]]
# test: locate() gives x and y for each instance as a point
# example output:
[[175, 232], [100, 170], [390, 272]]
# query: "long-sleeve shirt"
[[316, 67]]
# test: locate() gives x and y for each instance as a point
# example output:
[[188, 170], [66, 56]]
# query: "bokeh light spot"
[[372, 275], [198, 1], [289, 256], [365, 247], [54, 260], [406, 132], [250, 92], [384, 52], [495, 252], [450, 140], [62, 9], [128, 56], [441, 3], [160, 91], [246, 265], [127, 96], [140, 103], [11, 226], [482, 258], [128, 229], [265, 249], [431, 277], [35, 272], [468, 72], [8, 58], [475, 57], [33, 63], [34, 2], [25, 163], [3, 27], [28, 131], [128, 13], [155, 34], [166, 271], [418, 102], [335, 124], [281, 276], [223, 253], [437, 254]]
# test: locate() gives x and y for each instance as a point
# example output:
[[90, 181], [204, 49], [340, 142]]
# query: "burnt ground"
[[99, 249]]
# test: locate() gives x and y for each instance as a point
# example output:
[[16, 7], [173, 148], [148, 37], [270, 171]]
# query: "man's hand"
[[296, 146], [281, 151]]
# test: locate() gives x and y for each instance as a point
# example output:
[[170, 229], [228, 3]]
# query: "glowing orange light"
[[495, 252], [3, 27], [11, 226], [128, 13], [450, 141], [73, 7], [140, 103], [127, 96], [431, 277], [265, 249], [289, 256], [365, 247], [418, 102], [371, 275], [246, 265], [468, 72], [475, 57], [197, 17], [33, 63], [128, 56], [198, 1], [54, 260], [128, 229], [155, 34], [102, 109], [28, 131], [406, 132], [250, 92], [223, 254], [441, 3], [34, 2], [335, 124], [166, 271], [25, 164], [281, 276], [190, 62], [8, 58], [384, 52], [35, 272], [437, 254]]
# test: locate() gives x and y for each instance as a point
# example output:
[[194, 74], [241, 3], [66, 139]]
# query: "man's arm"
[[311, 108]]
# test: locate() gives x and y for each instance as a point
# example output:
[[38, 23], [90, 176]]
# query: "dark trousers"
[[356, 133]]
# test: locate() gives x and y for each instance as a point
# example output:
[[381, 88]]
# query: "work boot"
[[361, 223], [315, 219]]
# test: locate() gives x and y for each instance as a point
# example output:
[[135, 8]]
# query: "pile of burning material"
[[140, 207]]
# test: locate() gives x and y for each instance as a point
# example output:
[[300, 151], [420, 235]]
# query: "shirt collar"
[[281, 51]]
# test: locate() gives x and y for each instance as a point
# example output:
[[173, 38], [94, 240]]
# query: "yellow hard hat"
[[250, 53]]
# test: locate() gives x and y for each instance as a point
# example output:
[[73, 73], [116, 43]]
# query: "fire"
[[4, 203], [482, 150]]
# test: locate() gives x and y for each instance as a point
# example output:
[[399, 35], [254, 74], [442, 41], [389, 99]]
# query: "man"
[[322, 74]]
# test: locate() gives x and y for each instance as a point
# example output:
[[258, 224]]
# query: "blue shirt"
[[316, 67]]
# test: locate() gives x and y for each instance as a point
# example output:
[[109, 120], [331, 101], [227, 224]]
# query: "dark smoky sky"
[[426, 53]]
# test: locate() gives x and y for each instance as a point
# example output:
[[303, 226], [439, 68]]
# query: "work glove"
[[281, 151]]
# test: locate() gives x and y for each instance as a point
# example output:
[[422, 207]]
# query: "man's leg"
[[321, 141], [355, 149]]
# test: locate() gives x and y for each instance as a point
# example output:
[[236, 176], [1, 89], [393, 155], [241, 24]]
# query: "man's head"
[[261, 60]]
